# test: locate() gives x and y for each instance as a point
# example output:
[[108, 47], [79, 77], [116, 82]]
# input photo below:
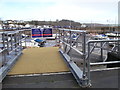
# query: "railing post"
[[56, 35], [63, 39], [25, 39], [3, 40], [70, 45], [15, 40], [7, 44], [84, 53], [101, 45], [59, 36], [118, 47], [88, 65], [11, 42], [4, 53], [86, 78], [20, 41]]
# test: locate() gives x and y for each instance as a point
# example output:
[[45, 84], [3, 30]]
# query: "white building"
[[0, 26]]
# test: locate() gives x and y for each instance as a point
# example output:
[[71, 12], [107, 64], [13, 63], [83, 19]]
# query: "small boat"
[[99, 37], [113, 34]]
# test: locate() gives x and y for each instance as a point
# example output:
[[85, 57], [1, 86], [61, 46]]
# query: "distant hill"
[[61, 23], [98, 25]]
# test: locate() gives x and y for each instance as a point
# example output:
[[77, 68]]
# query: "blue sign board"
[[47, 32], [36, 33]]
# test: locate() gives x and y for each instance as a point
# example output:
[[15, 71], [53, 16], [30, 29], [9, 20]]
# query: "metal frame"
[[11, 50], [102, 43], [67, 43], [84, 48]]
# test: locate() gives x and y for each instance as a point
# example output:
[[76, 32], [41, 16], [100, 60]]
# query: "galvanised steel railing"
[[10, 49], [77, 41], [74, 40]]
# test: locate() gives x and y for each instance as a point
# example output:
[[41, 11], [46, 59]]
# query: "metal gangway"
[[77, 43], [10, 50], [75, 46]]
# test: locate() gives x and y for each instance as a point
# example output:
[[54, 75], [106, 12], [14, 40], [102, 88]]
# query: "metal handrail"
[[86, 51], [81, 31], [105, 63], [72, 47], [83, 76], [112, 40], [11, 48]]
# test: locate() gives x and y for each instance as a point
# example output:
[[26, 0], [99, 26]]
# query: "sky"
[[84, 11]]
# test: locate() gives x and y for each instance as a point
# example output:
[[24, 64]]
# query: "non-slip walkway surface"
[[39, 60]]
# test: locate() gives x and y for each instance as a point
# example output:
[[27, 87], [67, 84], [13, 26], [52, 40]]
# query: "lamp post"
[[108, 21]]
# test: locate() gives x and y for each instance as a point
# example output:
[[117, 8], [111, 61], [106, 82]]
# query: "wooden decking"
[[39, 60]]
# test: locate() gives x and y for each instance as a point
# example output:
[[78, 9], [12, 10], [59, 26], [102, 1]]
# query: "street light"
[[108, 25]]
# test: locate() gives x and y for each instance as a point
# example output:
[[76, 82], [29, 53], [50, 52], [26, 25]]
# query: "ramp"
[[39, 60]]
